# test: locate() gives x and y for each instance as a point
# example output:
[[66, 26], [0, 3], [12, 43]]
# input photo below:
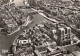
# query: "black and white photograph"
[[39, 27]]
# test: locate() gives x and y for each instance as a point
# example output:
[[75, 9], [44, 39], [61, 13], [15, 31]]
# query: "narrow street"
[[61, 33], [6, 41]]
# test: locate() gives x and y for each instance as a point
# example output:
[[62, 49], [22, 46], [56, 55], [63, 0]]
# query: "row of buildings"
[[47, 38], [44, 39], [11, 18], [65, 12]]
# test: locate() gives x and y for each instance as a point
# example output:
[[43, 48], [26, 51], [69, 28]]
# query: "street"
[[6, 41]]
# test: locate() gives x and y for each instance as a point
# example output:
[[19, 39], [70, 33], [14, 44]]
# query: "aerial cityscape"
[[39, 27]]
